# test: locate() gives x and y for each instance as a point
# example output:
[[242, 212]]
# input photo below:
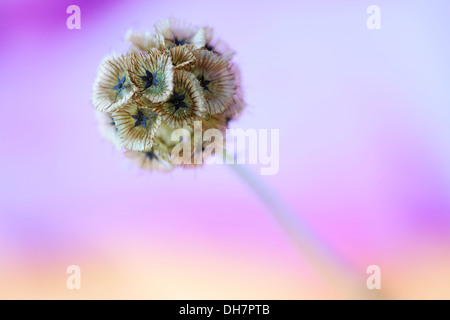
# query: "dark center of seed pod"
[[119, 86], [151, 155], [149, 79], [140, 119]]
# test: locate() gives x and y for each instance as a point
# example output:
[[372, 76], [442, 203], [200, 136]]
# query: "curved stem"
[[323, 259]]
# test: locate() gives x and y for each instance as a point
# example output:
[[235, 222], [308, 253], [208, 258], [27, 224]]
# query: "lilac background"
[[364, 155]]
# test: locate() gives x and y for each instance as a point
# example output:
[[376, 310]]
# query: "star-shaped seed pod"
[[112, 88], [235, 109], [216, 80], [151, 74], [144, 40], [178, 33], [186, 104], [136, 126], [217, 121], [183, 57], [158, 158]]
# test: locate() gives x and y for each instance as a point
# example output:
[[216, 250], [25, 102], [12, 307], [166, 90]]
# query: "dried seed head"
[[137, 126], [112, 88], [158, 158], [216, 80]]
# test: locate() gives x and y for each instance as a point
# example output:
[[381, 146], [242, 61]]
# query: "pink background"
[[364, 155]]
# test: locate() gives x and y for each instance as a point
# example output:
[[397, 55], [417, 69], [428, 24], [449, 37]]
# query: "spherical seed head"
[[137, 126], [151, 74], [215, 121], [112, 88]]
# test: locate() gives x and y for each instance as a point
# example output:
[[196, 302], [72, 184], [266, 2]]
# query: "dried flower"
[[151, 74], [112, 88], [171, 79]]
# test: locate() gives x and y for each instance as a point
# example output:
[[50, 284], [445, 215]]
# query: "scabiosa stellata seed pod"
[[215, 79], [179, 77], [151, 74], [112, 88], [178, 33], [136, 126]]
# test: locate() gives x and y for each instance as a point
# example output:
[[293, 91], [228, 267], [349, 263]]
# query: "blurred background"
[[364, 155]]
